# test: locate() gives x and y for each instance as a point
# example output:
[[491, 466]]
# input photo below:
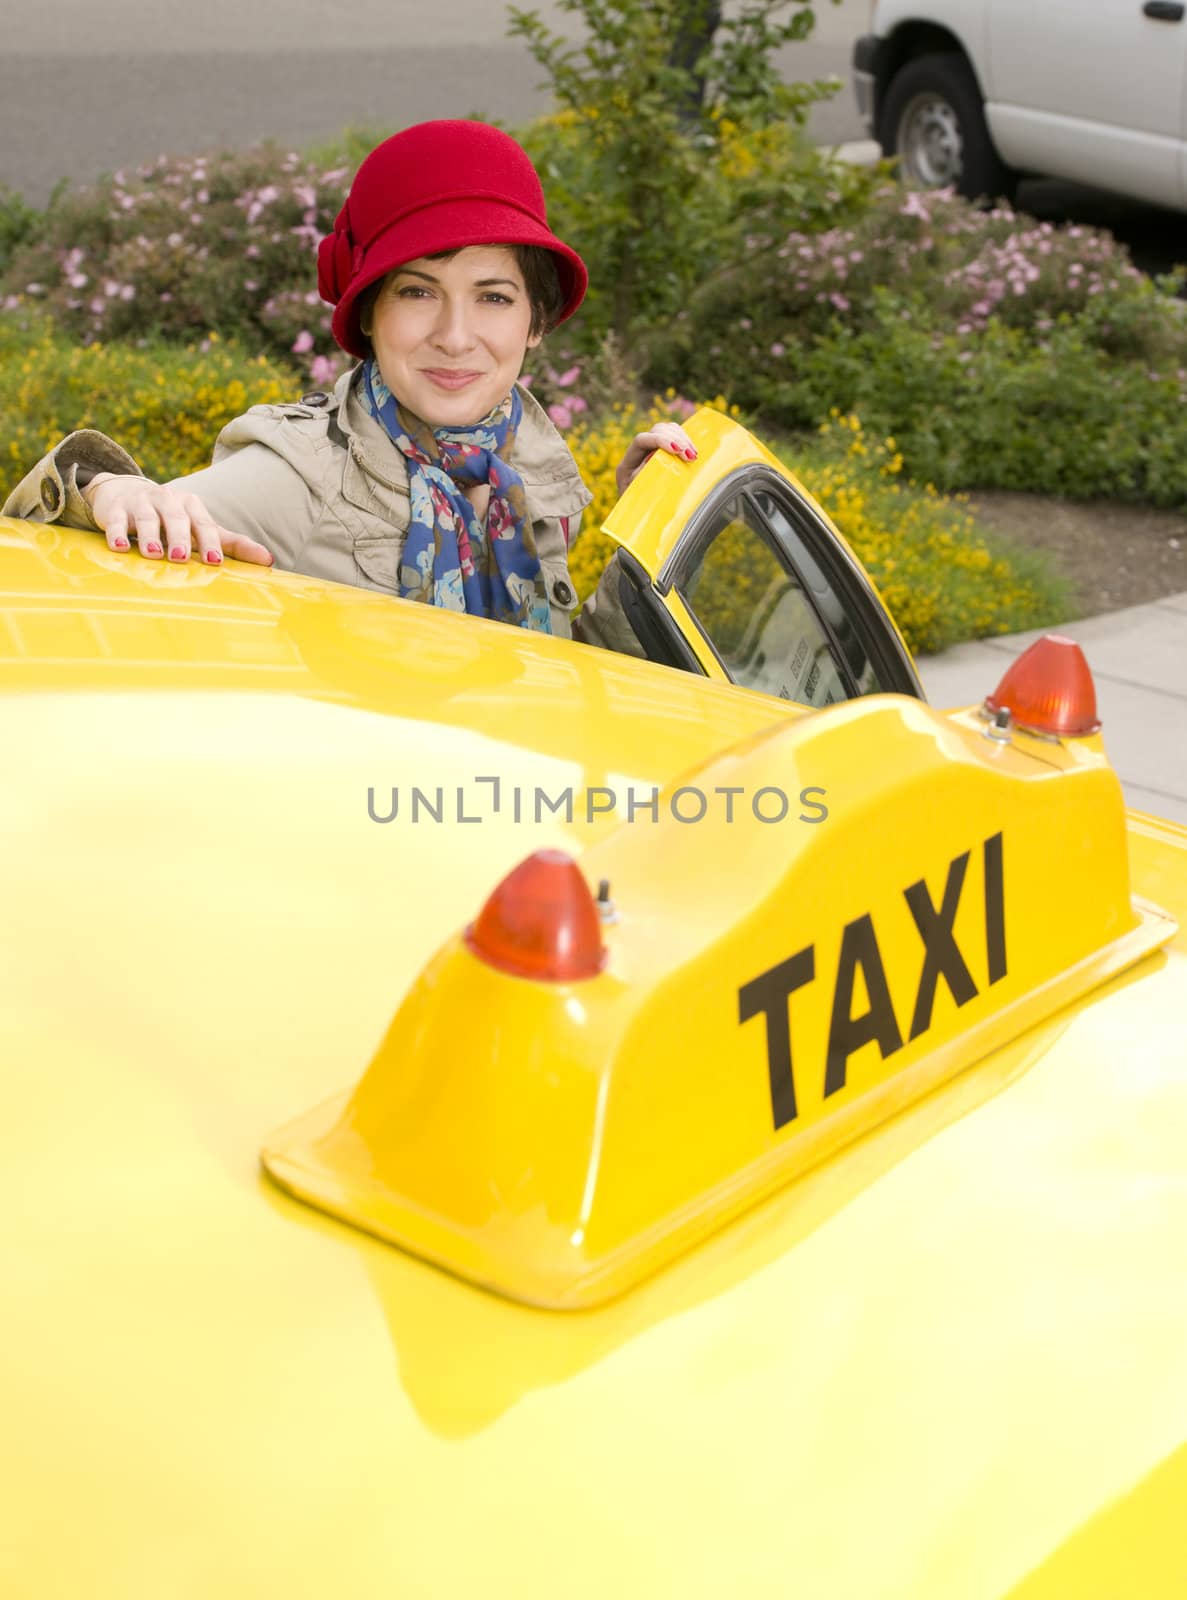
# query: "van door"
[[1092, 90]]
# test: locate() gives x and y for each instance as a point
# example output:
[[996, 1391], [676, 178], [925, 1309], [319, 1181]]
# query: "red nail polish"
[[153, 548], [121, 544], [177, 553], [214, 557]]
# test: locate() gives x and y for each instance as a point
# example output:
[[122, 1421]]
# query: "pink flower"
[[323, 370], [839, 301], [778, 349], [303, 343], [526, 380], [561, 415], [564, 379]]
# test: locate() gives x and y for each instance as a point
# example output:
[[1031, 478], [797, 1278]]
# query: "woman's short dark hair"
[[540, 279], [543, 284]]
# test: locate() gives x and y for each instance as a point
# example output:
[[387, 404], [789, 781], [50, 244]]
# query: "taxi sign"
[[769, 993]]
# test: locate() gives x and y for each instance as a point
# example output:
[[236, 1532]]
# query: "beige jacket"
[[318, 483]]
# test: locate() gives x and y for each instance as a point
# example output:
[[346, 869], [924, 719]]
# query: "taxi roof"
[[875, 1383]]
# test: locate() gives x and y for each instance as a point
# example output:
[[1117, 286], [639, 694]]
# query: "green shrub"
[[346, 151], [659, 161], [163, 404], [997, 409], [19, 223]]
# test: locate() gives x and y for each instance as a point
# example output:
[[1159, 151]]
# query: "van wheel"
[[934, 122]]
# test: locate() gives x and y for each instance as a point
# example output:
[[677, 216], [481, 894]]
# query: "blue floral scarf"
[[450, 559]]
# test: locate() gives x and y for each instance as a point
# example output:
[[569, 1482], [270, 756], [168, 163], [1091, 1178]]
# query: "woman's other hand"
[[668, 436], [166, 521]]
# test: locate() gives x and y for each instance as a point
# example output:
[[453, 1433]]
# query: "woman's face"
[[450, 336]]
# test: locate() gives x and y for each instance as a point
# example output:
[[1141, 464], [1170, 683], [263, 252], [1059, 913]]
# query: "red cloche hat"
[[436, 186]]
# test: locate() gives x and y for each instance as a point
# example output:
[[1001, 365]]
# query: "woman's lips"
[[445, 378]]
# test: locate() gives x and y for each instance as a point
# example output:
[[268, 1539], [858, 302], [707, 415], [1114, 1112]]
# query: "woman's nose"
[[453, 331]]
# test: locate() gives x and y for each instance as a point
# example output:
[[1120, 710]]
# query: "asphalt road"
[[86, 89]]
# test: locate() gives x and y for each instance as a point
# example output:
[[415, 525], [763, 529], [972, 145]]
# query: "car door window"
[[754, 611]]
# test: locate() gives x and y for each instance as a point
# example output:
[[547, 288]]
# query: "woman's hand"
[[164, 519], [664, 436]]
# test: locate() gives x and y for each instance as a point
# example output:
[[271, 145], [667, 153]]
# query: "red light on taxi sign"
[[1049, 689], [541, 922]]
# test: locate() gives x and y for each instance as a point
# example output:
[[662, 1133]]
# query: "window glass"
[[756, 615], [844, 629]]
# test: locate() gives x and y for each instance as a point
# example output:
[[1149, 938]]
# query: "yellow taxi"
[[487, 1116]]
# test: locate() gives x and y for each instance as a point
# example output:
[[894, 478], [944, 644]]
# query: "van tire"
[[933, 120]]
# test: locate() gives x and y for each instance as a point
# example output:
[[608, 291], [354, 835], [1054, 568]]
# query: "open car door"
[[727, 567]]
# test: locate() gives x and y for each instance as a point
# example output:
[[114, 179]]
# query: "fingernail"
[[691, 454], [214, 557], [153, 548], [120, 544], [177, 553]]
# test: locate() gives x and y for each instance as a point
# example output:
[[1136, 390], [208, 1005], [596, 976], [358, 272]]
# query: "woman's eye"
[[409, 291], [498, 299]]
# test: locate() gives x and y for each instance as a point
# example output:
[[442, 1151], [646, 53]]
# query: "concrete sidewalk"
[[1138, 659]]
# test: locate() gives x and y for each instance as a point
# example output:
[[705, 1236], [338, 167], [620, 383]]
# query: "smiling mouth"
[[446, 379]]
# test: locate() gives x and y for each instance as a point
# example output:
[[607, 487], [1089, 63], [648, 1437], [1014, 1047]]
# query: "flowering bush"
[[164, 405], [959, 266], [996, 350], [940, 579], [189, 245]]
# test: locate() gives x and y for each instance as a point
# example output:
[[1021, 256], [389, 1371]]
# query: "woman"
[[428, 472]]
